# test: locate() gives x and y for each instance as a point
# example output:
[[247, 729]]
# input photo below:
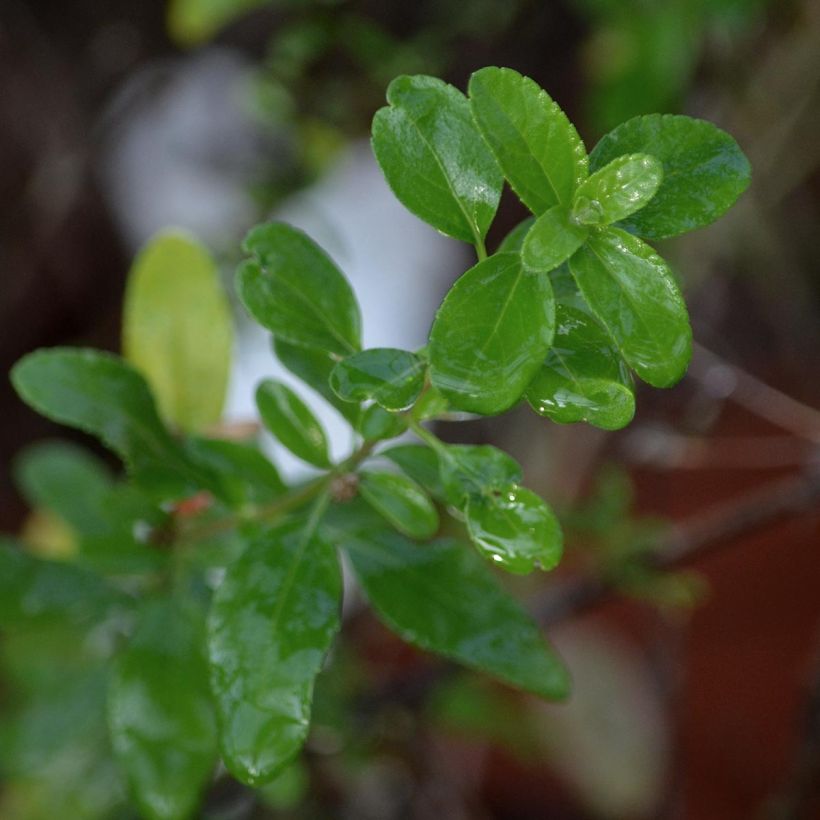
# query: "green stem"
[[480, 249], [425, 435]]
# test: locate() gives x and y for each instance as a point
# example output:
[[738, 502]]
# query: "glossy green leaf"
[[420, 463], [469, 470], [177, 329], [537, 147], [400, 501], [271, 623], [515, 529], [633, 293], [393, 378], [376, 424], [293, 288], [704, 171], [292, 422], [443, 598], [618, 190], [552, 240], [314, 367], [490, 335], [435, 159], [583, 377], [513, 241]]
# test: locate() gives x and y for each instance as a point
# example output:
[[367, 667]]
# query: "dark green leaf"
[[515, 529], [271, 624], [513, 241], [420, 463], [469, 470], [538, 148], [393, 378], [583, 377], [160, 712], [434, 158], [377, 423], [401, 502], [293, 288], [292, 422], [552, 240], [490, 335], [618, 190], [634, 295], [704, 171]]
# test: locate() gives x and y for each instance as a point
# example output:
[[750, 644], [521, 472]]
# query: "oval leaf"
[[393, 378], [632, 292], [435, 159], [271, 623], [420, 463], [583, 377], [376, 424], [491, 334], [292, 422], [513, 241], [617, 190], [177, 329], [537, 147], [469, 470], [552, 240], [401, 502], [160, 712], [704, 171], [515, 529], [293, 288]]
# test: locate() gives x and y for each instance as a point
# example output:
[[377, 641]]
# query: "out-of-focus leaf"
[[191, 22], [401, 502], [420, 463], [393, 378]]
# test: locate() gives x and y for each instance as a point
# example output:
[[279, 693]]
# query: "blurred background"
[[697, 669]]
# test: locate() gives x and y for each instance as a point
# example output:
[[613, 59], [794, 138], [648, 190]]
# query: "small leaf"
[[617, 190], [271, 623], [377, 423], [393, 378], [552, 240], [160, 712], [583, 377], [292, 288], [292, 422], [632, 292], [537, 147], [420, 463], [491, 334], [177, 329], [513, 241], [515, 529], [434, 158], [704, 171], [400, 501], [469, 470]]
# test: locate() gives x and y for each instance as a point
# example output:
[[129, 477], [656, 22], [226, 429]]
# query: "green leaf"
[[617, 190], [633, 293], [160, 712], [177, 329], [393, 378], [552, 240], [377, 423], [442, 597], [470, 470], [490, 335], [704, 171], [538, 148], [434, 158], [292, 422], [271, 623], [583, 377], [314, 367], [513, 241], [420, 463], [400, 501], [293, 288], [515, 529], [191, 22]]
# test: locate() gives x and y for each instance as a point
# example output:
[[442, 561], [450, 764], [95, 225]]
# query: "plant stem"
[[480, 249]]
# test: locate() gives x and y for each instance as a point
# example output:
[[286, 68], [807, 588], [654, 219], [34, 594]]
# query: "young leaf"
[[513, 241], [177, 329], [160, 712], [490, 335], [552, 240], [434, 158], [515, 529], [537, 147], [632, 292], [443, 598], [271, 623], [420, 463], [400, 501], [469, 470], [583, 377], [393, 378], [704, 171], [292, 422], [617, 190], [292, 288], [376, 423]]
